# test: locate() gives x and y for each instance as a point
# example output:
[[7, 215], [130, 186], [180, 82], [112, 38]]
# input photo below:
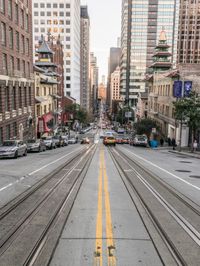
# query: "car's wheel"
[[39, 149], [16, 155], [25, 153]]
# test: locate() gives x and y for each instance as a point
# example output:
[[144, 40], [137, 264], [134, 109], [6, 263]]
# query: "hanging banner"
[[177, 89], [187, 88]]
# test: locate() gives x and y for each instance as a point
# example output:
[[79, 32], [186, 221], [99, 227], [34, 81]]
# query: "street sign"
[[187, 88], [177, 89], [128, 114]]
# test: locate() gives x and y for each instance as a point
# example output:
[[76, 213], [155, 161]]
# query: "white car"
[[72, 141], [13, 149], [140, 140]]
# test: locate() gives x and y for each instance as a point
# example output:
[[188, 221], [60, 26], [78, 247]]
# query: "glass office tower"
[[142, 22]]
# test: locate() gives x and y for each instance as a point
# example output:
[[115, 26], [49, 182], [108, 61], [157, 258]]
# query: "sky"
[[105, 28]]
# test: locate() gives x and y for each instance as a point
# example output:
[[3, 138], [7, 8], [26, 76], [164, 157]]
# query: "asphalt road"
[[181, 172]]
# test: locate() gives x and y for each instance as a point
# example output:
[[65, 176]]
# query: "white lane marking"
[[52, 163], [22, 178], [9, 185], [164, 170]]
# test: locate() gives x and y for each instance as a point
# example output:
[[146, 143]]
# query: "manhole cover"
[[183, 171], [185, 162], [195, 176]]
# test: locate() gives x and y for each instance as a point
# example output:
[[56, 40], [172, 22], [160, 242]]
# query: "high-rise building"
[[114, 61], [85, 55], [115, 86], [94, 78], [61, 17], [16, 71], [189, 32], [142, 23]]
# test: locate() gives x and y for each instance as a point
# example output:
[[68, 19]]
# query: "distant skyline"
[[105, 24]]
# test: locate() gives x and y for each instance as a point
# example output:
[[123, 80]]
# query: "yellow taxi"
[[109, 141]]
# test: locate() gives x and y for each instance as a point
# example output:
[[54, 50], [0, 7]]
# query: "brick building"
[[16, 70]]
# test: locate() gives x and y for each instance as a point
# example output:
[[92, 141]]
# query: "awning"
[[39, 99], [47, 117]]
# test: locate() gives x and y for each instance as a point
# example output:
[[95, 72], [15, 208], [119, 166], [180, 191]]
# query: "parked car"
[[109, 141], [49, 142], [140, 140], [119, 140], [72, 141], [65, 139], [13, 149], [85, 141], [36, 145], [58, 141]]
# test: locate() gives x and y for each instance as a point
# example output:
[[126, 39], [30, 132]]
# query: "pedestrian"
[[161, 142], [195, 145], [169, 141], [173, 143]]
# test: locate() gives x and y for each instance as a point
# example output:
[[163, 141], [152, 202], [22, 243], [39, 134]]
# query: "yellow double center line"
[[103, 190]]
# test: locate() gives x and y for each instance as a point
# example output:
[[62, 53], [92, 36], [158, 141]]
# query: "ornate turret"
[[161, 58]]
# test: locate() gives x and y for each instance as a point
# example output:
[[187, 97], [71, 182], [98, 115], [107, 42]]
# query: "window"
[[24, 68], [42, 22], [22, 18], [1, 135], [20, 97], [48, 5], [27, 46], [30, 96], [28, 69], [48, 14], [61, 14], [55, 5], [42, 14], [16, 14], [18, 64], [15, 129], [17, 41], [45, 109], [55, 14], [45, 91], [35, 5], [38, 110], [67, 22], [26, 24], [13, 98], [3, 33], [25, 96], [23, 44], [7, 99], [68, 86], [11, 37], [68, 39], [61, 5], [5, 65], [2, 6], [10, 9], [49, 22], [11, 65], [8, 132], [67, 14], [67, 5], [42, 5], [36, 14], [61, 22]]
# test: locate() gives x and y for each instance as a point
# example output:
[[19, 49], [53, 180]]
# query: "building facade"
[[102, 92], [46, 90], [113, 62], [141, 26], [16, 71], [85, 54], [61, 17], [94, 77], [189, 33], [115, 86]]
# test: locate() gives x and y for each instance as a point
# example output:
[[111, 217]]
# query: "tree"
[[187, 110], [145, 126]]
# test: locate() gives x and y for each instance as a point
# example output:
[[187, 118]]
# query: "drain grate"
[[195, 176], [185, 162], [183, 171]]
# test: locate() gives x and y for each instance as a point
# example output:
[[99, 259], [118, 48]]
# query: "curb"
[[197, 156]]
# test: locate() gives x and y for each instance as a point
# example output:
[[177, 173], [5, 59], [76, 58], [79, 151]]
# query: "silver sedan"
[[13, 149]]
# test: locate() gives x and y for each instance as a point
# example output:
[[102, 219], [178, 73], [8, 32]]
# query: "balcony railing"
[[7, 115], [14, 113], [25, 110], [19, 111]]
